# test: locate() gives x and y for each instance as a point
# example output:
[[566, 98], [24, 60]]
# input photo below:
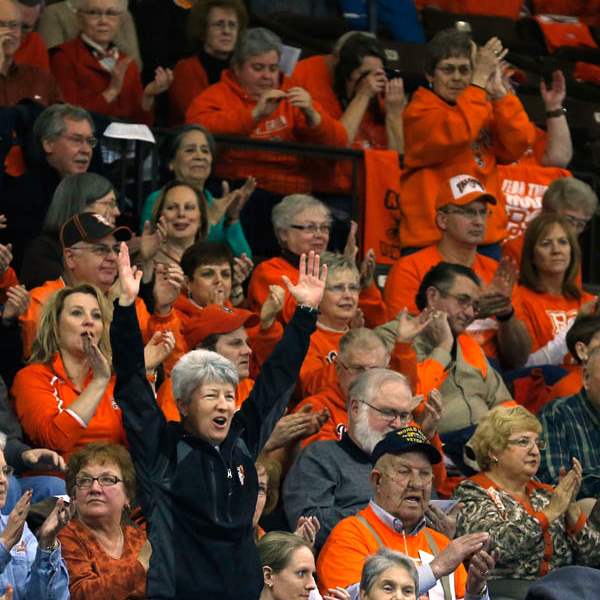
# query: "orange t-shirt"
[[546, 315], [43, 393], [443, 140], [342, 557], [166, 400], [322, 350]]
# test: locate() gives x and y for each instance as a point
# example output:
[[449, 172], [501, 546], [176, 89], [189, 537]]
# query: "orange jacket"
[[43, 394], [546, 315], [38, 297], [226, 108], [166, 399], [443, 140], [189, 81], [342, 557], [33, 51], [82, 79]]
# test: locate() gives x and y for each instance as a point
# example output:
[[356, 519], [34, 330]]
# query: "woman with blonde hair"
[[534, 528], [64, 397]]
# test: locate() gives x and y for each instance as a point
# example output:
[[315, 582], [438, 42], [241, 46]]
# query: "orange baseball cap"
[[460, 190], [217, 319]]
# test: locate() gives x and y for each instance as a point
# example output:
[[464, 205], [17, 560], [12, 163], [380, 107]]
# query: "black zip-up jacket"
[[199, 500]]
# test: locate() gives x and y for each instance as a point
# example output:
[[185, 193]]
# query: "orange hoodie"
[[226, 108], [442, 139]]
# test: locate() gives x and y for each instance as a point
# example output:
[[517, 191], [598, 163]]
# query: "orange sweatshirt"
[[226, 108], [322, 350], [342, 557], [43, 393], [443, 140], [166, 400]]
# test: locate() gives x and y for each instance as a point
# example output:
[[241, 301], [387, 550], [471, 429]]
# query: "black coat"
[[199, 500]]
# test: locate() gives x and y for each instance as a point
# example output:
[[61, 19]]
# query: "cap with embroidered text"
[[460, 190], [406, 439], [90, 227]]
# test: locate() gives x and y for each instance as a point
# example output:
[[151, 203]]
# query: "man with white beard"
[[330, 479]]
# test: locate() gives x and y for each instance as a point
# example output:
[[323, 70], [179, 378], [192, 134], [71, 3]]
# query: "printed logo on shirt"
[[271, 126], [241, 474], [331, 356], [561, 319], [523, 203], [340, 429]]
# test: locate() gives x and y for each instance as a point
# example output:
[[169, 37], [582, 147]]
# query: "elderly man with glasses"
[[337, 472]]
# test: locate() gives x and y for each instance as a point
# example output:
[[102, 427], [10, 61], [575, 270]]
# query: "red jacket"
[[33, 51], [226, 108], [82, 79], [189, 80]]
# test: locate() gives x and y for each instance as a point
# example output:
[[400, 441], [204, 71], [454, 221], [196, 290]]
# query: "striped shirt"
[[572, 429]]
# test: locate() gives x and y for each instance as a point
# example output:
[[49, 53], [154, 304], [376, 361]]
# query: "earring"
[[494, 460]]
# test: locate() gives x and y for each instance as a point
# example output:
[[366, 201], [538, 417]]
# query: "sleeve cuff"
[[581, 521], [426, 579], [442, 356], [76, 417]]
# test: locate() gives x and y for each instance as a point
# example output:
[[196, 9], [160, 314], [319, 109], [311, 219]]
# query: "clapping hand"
[[480, 565], [43, 459], [241, 198], [161, 344], [409, 327], [554, 96], [58, 518], [16, 522], [271, 306], [17, 302], [296, 426], [97, 361], [5, 257], [431, 414], [163, 78], [168, 281], [307, 528], [242, 267], [152, 240], [311, 282]]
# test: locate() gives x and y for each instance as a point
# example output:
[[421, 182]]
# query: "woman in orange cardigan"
[[93, 73]]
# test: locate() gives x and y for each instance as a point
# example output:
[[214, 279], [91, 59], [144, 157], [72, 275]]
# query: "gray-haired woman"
[[83, 192], [389, 574]]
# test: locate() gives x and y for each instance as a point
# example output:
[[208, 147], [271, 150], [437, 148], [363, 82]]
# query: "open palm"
[[311, 282]]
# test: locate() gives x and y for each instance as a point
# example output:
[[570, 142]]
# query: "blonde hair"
[[494, 430], [47, 343]]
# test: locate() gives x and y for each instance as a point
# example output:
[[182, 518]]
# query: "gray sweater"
[[329, 480]]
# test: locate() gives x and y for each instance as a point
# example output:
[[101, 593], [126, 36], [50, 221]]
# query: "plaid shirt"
[[572, 429]]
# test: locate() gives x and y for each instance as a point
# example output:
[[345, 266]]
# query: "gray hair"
[[3, 440], [570, 193], [79, 4], [367, 385], [253, 42], [363, 338], [197, 368], [50, 124], [72, 196], [338, 262], [383, 560], [284, 212]]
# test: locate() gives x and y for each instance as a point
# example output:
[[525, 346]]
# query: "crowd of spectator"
[[210, 392]]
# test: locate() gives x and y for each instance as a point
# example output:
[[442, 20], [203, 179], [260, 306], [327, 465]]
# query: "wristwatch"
[[559, 112]]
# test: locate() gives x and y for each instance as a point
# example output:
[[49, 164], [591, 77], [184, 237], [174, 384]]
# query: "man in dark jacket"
[[196, 479]]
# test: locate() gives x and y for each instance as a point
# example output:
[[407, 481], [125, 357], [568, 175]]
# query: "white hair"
[[3, 440], [199, 367]]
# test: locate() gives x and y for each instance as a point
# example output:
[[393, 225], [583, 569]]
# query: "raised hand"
[[358, 319], [129, 277], [163, 78], [395, 98], [161, 344], [439, 330], [168, 281], [151, 240], [432, 413], [242, 267], [58, 518], [97, 361], [444, 522], [311, 283], [409, 327], [243, 195], [116, 80], [219, 206], [16, 522], [554, 96], [300, 98], [271, 306], [457, 551], [351, 247], [296, 426], [371, 84], [307, 528], [43, 459], [17, 301], [496, 87], [5, 257], [486, 60], [367, 269]]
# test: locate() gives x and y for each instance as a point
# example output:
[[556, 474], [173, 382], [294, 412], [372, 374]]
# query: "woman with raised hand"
[[197, 479]]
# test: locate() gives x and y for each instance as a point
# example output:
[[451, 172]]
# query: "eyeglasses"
[[579, 225], [313, 228], [100, 249], [463, 300], [404, 472], [7, 471], [340, 288], [98, 14], [391, 415], [107, 203], [356, 369], [469, 213], [222, 24], [527, 443], [80, 140], [463, 70], [85, 482], [11, 25]]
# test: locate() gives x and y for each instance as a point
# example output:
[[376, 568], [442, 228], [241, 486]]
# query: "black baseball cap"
[[90, 227], [406, 439]]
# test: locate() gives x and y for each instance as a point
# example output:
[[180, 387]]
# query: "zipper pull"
[[229, 474]]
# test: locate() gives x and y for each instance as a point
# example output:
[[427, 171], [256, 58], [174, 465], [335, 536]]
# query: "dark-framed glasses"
[[84, 482]]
